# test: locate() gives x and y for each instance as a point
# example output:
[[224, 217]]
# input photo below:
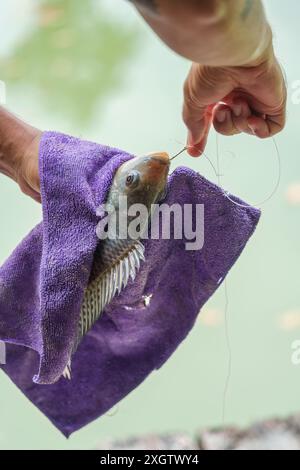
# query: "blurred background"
[[95, 70]]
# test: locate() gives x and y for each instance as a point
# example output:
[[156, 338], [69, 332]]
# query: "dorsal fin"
[[100, 292], [103, 288]]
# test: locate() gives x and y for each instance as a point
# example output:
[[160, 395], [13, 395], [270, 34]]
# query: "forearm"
[[15, 138], [210, 32], [19, 147]]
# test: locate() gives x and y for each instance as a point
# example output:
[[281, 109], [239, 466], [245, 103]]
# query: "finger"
[[196, 149], [223, 121], [193, 150], [203, 88], [240, 112], [266, 127], [196, 121], [193, 110]]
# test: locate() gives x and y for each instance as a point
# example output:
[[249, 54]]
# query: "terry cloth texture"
[[43, 281]]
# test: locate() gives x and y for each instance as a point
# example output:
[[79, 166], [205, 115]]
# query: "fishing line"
[[204, 154], [181, 151], [218, 174], [212, 165], [276, 186], [229, 351], [226, 307], [226, 319]]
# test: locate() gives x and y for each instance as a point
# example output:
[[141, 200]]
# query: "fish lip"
[[161, 157], [162, 162]]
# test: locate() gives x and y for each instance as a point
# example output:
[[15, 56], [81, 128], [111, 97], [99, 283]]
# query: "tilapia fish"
[[117, 259]]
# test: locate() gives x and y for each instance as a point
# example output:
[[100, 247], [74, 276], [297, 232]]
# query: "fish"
[[117, 259]]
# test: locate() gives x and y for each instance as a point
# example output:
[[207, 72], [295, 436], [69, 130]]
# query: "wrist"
[[15, 140], [10, 156], [28, 168], [260, 62], [264, 52]]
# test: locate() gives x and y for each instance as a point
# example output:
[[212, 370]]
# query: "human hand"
[[250, 99]]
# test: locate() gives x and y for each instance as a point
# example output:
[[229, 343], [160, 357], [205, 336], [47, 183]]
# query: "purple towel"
[[42, 285]]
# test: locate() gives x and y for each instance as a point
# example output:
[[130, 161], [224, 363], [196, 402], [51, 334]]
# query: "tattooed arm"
[[213, 32], [230, 43]]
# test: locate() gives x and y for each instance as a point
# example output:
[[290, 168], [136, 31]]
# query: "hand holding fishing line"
[[250, 99], [235, 83]]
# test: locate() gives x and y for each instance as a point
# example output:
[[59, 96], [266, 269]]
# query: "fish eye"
[[132, 179]]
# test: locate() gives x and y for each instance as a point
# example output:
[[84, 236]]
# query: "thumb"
[[203, 88], [198, 132]]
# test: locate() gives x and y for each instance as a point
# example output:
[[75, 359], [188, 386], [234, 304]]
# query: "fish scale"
[[118, 260]]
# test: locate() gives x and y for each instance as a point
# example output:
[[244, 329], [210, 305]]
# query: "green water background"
[[95, 70]]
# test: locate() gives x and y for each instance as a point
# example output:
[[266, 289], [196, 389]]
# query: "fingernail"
[[221, 116], [194, 152], [190, 139], [253, 128], [237, 110]]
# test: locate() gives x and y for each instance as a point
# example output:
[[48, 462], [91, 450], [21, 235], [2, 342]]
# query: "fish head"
[[142, 180]]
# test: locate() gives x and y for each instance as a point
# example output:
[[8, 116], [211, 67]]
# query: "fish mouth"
[[161, 157], [158, 167]]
